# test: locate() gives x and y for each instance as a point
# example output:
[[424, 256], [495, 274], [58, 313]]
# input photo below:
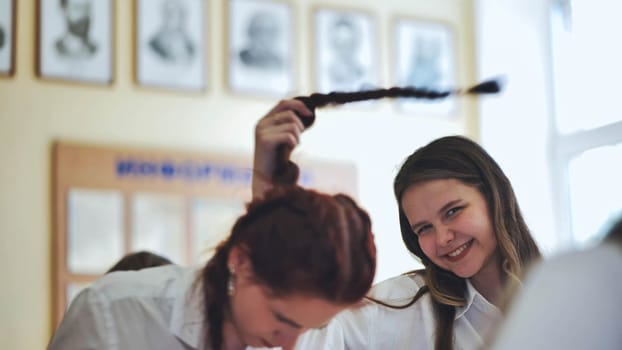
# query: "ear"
[[238, 260]]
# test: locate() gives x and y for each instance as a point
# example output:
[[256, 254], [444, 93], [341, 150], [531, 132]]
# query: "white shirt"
[[151, 309], [572, 301], [374, 326]]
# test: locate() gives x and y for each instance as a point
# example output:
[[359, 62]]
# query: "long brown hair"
[[298, 241], [456, 157]]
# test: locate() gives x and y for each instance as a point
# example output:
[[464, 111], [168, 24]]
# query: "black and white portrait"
[[261, 50], [260, 47], [7, 30], [170, 43], [424, 58], [2, 36], [346, 51], [75, 40]]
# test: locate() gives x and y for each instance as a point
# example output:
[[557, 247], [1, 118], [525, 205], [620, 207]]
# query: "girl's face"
[[262, 319], [453, 226]]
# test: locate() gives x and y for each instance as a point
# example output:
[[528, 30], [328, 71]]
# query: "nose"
[[444, 235], [286, 339]]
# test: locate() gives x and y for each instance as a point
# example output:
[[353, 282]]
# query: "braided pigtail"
[[317, 100], [286, 173]]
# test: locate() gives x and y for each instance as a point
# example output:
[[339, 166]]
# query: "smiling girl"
[[459, 215]]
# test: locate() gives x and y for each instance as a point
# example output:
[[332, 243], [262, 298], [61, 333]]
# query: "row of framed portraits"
[[75, 43]]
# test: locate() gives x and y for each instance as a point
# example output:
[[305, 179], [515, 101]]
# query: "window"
[[594, 189], [587, 137]]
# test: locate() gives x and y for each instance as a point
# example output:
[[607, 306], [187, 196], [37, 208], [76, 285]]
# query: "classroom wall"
[[35, 112]]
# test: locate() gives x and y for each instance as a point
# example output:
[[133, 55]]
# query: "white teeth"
[[459, 250]]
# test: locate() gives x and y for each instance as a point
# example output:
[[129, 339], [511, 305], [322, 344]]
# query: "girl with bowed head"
[[294, 260]]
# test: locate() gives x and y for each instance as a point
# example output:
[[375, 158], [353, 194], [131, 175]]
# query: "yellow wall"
[[35, 112]]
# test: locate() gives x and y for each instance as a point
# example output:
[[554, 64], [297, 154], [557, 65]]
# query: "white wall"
[[513, 39]]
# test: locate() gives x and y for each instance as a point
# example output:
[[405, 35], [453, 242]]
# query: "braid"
[[215, 276], [337, 98], [286, 172]]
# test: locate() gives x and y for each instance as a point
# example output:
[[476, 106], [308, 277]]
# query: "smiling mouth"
[[459, 252]]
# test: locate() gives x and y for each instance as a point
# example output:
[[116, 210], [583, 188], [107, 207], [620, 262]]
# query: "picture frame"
[[346, 50], [75, 40], [424, 57], [170, 48], [8, 16], [260, 47]]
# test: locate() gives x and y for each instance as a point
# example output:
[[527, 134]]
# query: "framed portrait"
[[75, 40], [424, 57], [260, 47], [346, 50], [8, 15], [170, 44]]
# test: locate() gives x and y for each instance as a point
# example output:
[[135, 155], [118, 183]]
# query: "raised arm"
[[280, 126]]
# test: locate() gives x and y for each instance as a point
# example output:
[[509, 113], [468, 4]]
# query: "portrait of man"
[[263, 33], [345, 50], [425, 59], [2, 40], [75, 42], [260, 47], [425, 70], [172, 43], [345, 68], [7, 36]]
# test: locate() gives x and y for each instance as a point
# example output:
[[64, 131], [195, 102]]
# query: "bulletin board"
[[109, 201]]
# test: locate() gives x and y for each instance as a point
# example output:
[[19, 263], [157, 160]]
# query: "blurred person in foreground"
[[571, 301]]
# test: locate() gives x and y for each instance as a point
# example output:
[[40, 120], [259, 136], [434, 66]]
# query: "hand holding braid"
[[276, 135]]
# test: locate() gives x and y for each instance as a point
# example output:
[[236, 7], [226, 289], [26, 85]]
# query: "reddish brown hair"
[[299, 242]]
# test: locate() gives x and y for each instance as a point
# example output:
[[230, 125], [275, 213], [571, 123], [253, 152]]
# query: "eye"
[[453, 211], [423, 229]]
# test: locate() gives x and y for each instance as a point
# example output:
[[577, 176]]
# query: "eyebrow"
[[285, 320], [440, 211]]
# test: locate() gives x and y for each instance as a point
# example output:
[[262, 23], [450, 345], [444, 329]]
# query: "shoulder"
[[398, 288], [107, 314], [151, 282], [395, 291], [575, 275], [373, 325], [592, 265]]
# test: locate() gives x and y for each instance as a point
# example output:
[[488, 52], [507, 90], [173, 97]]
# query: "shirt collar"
[[187, 322], [475, 299], [187, 314]]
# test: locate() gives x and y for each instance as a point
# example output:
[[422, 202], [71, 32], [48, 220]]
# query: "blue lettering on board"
[[188, 171]]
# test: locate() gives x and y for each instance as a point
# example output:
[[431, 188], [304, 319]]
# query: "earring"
[[231, 282]]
